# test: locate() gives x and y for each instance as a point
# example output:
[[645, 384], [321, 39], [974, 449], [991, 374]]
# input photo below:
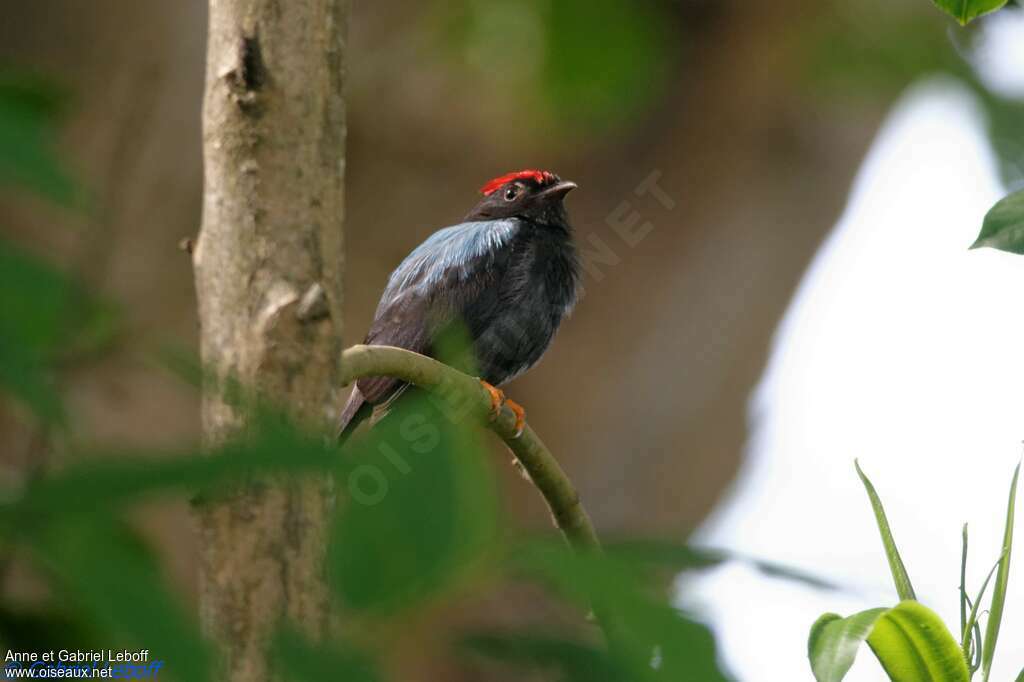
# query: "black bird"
[[509, 273]]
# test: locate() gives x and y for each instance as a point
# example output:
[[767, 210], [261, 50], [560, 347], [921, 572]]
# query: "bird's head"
[[530, 194]]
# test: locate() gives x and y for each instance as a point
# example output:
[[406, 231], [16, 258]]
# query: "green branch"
[[531, 453]]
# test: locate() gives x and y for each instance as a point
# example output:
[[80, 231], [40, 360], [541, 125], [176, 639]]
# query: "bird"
[[509, 274]]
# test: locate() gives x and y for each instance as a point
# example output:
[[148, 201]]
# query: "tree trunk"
[[268, 264]]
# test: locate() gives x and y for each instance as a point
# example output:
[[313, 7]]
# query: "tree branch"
[[538, 462]]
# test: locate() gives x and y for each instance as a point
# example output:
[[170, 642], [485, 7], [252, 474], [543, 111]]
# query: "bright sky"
[[905, 350]]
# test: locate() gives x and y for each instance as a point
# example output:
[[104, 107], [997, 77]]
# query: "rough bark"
[[268, 277]]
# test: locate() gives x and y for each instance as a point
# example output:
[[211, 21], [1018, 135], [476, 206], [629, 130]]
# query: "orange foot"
[[520, 414], [497, 399]]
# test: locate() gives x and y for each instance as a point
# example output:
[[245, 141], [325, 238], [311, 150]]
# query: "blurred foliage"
[[436, 506], [35, 300], [573, 661], [909, 640], [130, 603], [859, 57], [641, 627], [296, 658], [48, 317], [428, 526], [591, 63], [30, 108]]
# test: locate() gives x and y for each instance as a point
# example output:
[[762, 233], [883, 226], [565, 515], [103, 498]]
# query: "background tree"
[[268, 263]]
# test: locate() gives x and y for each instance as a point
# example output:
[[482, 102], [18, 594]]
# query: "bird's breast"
[[537, 290]]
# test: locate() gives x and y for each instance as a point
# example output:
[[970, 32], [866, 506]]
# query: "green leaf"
[[965, 641], [914, 645], [35, 300], [1003, 228], [972, 620], [834, 641], [577, 57], [28, 109], [299, 660], [636, 623], [896, 567], [680, 557], [573, 661], [975, 662], [966, 10], [598, 49], [107, 571], [274, 446], [36, 628], [420, 508], [47, 318], [96, 324], [909, 640], [995, 611]]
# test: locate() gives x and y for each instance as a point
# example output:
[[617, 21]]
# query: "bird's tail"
[[356, 411]]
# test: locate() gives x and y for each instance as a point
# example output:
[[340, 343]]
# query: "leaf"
[[1003, 228], [913, 645], [637, 625], [834, 641], [48, 318], [36, 629], [275, 446], [966, 10], [681, 557], [574, 661], [299, 660], [96, 325], [420, 508], [975, 662], [35, 299], [909, 640], [598, 49], [112, 576], [965, 641], [995, 612], [28, 109], [896, 567], [576, 57], [972, 620]]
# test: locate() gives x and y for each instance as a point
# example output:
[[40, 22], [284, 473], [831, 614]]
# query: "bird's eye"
[[511, 193]]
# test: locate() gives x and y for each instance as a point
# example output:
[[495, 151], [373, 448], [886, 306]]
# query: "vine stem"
[[540, 465]]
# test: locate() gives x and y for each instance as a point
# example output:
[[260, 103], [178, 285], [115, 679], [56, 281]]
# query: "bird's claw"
[[498, 399], [520, 414]]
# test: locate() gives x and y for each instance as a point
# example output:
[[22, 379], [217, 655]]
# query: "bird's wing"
[[432, 287]]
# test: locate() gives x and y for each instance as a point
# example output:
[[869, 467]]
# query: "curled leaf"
[[909, 640]]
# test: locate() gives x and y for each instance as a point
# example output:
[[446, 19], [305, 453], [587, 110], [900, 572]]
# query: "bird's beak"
[[560, 190]]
